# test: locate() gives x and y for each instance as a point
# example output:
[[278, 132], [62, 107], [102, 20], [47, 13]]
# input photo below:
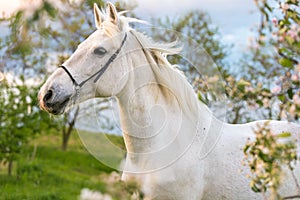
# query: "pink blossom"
[[295, 27], [283, 115], [262, 38], [298, 69], [295, 77], [292, 110], [276, 90], [253, 106], [282, 78], [292, 34], [266, 102], [274, 20], [281, 39], [284, 6], [249, 89], [296, 99], [255, 46]]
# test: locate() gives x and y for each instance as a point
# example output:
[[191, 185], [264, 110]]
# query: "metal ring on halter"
[[98, 74]]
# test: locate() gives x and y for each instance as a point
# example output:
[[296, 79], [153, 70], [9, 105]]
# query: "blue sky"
[[234, 18]]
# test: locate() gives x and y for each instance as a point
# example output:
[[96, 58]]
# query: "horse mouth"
[[55, 108]]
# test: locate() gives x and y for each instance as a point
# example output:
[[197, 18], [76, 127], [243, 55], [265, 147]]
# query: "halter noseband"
[[99, 73]]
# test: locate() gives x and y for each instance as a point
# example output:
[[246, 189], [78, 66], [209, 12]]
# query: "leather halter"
[[99, 73]]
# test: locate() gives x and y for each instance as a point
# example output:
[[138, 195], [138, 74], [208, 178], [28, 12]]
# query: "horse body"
[[176, 148], [196, 170], [203, 161], [218, 175]]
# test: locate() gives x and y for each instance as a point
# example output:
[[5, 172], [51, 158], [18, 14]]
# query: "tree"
[[267, 155], [282, 20], [271, 68], [267, 86], [45, 36], [20, 119], [67, 130]]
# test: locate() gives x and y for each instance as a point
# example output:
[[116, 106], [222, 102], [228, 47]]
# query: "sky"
[[234, 18]]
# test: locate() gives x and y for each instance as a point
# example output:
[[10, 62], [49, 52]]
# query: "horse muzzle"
[[53, 101]]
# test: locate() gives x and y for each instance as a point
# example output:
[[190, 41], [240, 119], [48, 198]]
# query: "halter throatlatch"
[[98, 74]]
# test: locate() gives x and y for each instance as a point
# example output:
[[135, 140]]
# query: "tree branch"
[[292, 197]]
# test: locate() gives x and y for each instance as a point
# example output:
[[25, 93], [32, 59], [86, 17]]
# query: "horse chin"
[[58, 112], [60, 109], [53, 111], [57, 108]]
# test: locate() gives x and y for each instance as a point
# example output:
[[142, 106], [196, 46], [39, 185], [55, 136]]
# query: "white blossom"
[[87, 194]]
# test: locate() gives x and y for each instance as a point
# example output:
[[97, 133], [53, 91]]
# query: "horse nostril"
[[48, 95]]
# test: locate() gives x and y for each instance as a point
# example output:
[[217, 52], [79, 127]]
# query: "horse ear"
[[112, 13], [97, 16]]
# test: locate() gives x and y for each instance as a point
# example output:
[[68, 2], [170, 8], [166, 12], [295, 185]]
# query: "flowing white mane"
[[167, 75]]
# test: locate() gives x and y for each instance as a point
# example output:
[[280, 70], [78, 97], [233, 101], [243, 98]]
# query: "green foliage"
[[274, 82], [266, 156], [286, 62], [90, 3], [15, 110], [280, 30], [20, 119], [49, 9]]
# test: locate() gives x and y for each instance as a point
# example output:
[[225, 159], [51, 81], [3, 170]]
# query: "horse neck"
[[152, 117], [146, 111]]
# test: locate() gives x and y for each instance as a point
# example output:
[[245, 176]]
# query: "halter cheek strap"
[[99, 73], [70, 75]]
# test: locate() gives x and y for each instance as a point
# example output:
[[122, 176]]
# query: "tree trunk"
[[67, 130], [10, 166], [237, 115], [65, 139]]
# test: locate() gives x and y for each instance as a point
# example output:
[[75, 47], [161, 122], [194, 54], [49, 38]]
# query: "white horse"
[[176, 148]]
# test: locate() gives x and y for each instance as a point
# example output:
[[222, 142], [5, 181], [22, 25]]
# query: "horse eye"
[[100, 51]]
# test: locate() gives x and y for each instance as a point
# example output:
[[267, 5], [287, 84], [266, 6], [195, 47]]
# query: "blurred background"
[[254, 46]]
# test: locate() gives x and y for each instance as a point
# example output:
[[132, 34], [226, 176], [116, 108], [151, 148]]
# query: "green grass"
[[107, 148], [45, 172]]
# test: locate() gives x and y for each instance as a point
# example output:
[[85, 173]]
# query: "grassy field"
[[45, 172]]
